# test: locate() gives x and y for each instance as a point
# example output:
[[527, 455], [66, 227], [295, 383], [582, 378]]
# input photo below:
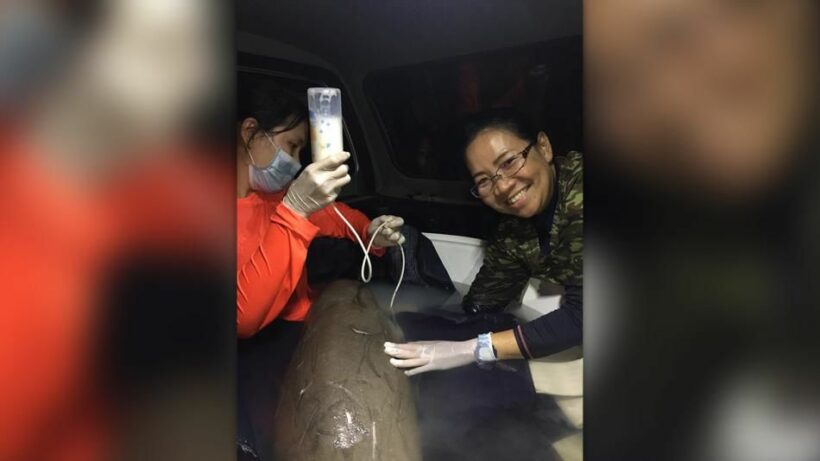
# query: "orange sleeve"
[[177, 205], [330, 225], [266, 282]]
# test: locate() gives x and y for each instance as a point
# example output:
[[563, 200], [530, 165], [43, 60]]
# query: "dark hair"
[[270, 104], [503, 119]]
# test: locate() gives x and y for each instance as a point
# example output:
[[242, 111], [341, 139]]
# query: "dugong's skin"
[[341, 398]]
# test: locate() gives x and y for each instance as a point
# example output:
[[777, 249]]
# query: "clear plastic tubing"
[[325, 114]]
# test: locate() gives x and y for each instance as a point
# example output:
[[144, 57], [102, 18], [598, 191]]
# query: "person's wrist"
[[295, 209], [485, 354]]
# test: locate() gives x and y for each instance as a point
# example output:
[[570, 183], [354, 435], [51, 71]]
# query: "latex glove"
[[424, 356], [390, 234], [318, 185]]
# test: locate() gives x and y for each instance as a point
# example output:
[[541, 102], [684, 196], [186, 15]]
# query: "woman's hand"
[[318, 185], [390, 234], [424, 356]]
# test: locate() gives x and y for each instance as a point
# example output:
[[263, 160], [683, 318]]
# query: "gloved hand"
[[390, 234], [318, 185], [431, 355]]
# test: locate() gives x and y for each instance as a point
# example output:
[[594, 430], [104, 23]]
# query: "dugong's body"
[[341, 398]]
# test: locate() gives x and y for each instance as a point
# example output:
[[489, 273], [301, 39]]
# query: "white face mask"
[[277, 174]]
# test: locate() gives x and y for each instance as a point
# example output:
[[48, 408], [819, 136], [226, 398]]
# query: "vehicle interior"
[[409, 73]]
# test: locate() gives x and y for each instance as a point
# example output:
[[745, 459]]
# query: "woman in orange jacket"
[[278, 216]]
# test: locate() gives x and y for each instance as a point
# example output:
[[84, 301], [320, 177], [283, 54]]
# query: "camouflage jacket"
[[514, 255]]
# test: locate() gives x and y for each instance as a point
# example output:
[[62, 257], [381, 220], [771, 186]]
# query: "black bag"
[[422, 266]]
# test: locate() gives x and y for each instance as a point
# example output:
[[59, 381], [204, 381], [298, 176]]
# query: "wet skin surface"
[[341, 399]]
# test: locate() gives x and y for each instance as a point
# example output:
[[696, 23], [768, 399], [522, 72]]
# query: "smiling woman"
[[509, 178], [540, 236]]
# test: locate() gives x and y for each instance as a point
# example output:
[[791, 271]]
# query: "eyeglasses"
[[507, 169]]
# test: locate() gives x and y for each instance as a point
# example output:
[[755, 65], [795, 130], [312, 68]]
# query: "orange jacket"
[[271, 250], [59, 238]]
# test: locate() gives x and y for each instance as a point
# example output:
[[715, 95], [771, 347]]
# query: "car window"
[[422, 107]]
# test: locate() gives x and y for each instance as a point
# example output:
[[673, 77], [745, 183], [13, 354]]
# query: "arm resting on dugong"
[[341, 398]]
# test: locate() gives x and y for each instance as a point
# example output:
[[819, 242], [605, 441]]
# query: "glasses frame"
[[498, 176]]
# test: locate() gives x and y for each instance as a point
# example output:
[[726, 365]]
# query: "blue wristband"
[[484, 351]]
